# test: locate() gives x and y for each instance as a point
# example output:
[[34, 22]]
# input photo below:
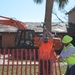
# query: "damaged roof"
[[5, 28], [37, 26], [56, 27]]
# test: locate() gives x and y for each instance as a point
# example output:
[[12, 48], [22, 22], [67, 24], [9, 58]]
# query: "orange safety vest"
[[45, 50]]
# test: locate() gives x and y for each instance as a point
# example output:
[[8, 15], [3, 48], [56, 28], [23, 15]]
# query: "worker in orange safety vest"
[[45, 48]]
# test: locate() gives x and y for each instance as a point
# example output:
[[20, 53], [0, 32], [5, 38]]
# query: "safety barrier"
[[55, 64], [26, 62]]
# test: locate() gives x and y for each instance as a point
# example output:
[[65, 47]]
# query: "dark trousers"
[[44, 67], [70, 71]]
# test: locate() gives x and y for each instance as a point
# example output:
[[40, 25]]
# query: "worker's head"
[[66, 40], [46, 39]]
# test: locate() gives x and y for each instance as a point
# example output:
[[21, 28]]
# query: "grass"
[[19, 71], [63, 69]]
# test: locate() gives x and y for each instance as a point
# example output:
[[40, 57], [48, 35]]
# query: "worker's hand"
[[59, 58]]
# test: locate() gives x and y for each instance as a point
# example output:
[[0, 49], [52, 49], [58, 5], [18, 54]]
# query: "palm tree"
[[48, 10]]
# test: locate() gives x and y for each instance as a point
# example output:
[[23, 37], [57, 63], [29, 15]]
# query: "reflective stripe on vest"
[[71, 59]]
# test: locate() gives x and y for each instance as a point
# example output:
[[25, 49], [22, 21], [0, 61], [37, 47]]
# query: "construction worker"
[[45, 49], [68, 53]]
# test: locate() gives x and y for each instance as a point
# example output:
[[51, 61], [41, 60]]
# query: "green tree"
[[48, 10]]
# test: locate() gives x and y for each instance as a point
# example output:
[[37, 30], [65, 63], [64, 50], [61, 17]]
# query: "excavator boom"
[[11, 22]]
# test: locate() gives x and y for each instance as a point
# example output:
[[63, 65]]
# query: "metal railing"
[[26, 62]]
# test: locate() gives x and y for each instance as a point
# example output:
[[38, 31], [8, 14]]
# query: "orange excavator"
[[11, 22], [24, 36]]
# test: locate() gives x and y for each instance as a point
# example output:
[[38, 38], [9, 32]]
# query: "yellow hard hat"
[[67, 39]]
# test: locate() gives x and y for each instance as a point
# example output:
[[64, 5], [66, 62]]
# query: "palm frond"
[[38, 1], [62, 3]]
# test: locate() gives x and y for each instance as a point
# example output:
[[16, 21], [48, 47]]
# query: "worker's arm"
[[49, 34], [66, 54], [42, 38]]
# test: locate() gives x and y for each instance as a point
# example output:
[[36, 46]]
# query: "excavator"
[[24, 36]]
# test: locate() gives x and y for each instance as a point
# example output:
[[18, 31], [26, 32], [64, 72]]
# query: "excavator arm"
[[11, 22]]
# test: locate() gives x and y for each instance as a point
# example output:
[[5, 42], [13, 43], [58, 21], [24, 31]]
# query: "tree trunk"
[[48, 14]]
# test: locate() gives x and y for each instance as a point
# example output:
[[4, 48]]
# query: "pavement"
[[6, 61], [24, 62]]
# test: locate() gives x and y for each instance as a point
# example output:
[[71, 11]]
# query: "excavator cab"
[[24, 38]]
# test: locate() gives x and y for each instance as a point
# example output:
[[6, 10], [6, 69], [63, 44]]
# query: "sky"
[[28, 11]]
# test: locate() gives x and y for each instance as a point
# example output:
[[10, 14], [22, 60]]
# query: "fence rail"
[[24, 62]]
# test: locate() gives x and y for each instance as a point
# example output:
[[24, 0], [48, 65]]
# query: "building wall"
[[8, 40], [71, 17]]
